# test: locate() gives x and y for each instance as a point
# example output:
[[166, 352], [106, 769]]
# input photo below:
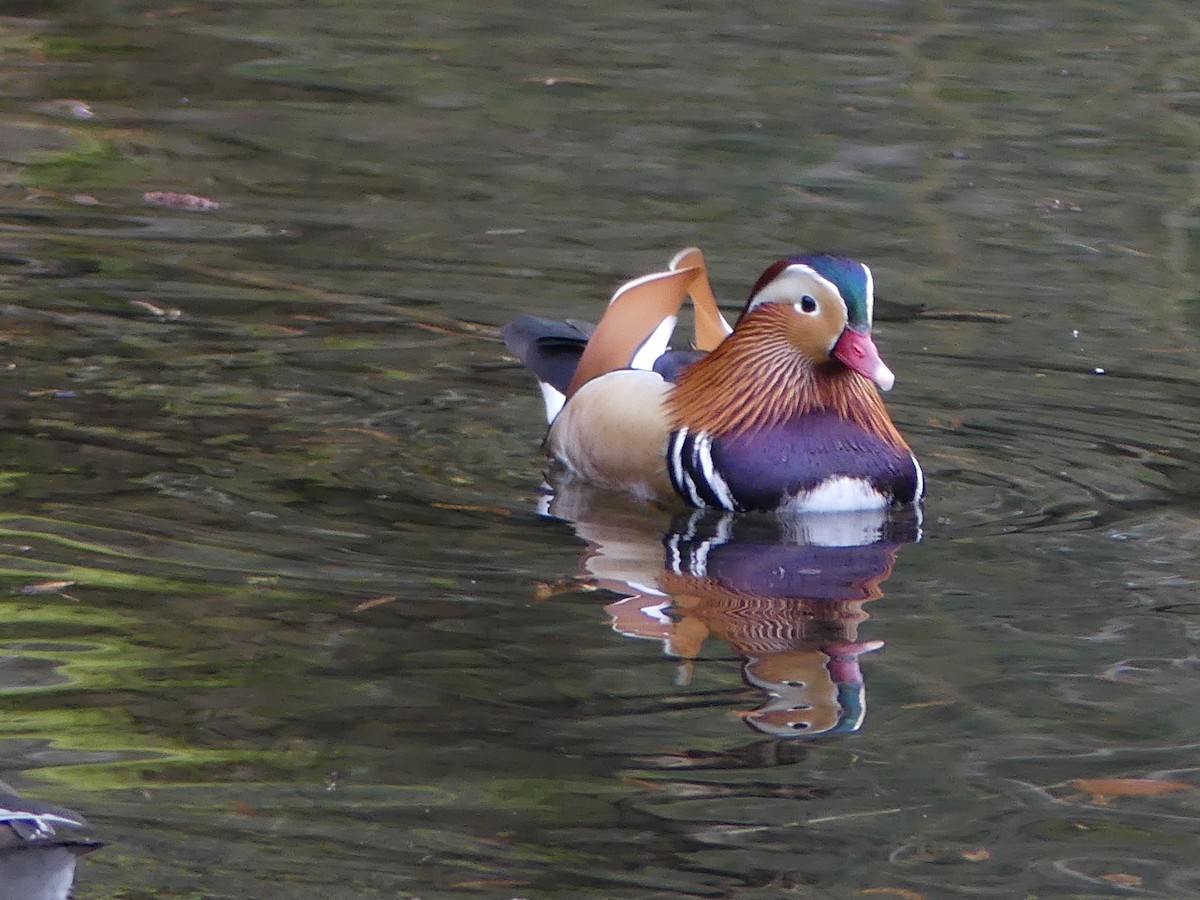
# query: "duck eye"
[[806, 305]]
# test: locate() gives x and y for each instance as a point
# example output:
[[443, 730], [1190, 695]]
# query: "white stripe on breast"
[[675, 461], [920, 492], [710, 474]]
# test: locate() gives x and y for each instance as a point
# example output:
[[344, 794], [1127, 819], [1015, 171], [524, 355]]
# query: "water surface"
[[281, 614]]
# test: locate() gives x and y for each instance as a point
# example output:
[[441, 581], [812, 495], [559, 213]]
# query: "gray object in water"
[[37, 861]]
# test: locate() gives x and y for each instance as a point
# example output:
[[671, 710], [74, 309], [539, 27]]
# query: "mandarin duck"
[[779, 412]]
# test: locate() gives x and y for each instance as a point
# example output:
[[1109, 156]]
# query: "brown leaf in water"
[[977, 854], [544, 590], [1103, 789], [167, 312], [373, 602], [46, 587], [644, 783], [1124, 879], [953, 423]]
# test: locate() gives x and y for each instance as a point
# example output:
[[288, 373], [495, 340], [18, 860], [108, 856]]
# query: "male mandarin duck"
[[780, 412]]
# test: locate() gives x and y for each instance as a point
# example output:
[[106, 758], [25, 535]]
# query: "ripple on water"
[[1031, 448]]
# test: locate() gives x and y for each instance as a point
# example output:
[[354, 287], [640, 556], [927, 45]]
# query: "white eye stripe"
[[796, 279], [799, 277]]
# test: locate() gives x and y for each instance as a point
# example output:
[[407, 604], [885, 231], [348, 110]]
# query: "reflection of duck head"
[[36, 863], [812, 691], [788, 596]]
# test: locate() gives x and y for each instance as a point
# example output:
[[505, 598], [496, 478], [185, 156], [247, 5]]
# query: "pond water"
[[284, 612]]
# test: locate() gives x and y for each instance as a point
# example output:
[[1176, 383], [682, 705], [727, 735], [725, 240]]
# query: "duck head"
[[823, 304], [802, 344]]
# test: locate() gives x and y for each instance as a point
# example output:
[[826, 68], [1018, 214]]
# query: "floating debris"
[[78, 199], [46, 587], [964, 315], [1104, 789], [75, 109], [552, 80], [1056, 204], [1123, 879], [175, 200], [166, 312], [373, 602]]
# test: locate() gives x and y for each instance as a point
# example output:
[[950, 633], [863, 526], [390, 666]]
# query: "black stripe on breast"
[[675, 467], [687, 455]]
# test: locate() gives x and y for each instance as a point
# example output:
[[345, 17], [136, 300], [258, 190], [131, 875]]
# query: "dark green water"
[[318, 641]]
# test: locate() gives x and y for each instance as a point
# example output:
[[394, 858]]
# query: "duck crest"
[[756, 379]]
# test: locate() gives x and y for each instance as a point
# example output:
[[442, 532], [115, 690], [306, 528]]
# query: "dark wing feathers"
[[671, 363], [549, 348]]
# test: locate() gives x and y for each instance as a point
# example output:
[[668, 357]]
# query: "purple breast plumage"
[[801, 461]]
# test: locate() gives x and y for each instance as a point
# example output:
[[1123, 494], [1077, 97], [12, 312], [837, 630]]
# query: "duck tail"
[[551, 350]]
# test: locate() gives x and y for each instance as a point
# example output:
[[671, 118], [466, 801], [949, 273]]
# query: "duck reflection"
[[787, 596]]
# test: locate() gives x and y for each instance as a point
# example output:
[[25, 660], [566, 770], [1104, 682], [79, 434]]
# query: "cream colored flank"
[[614, 432]]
